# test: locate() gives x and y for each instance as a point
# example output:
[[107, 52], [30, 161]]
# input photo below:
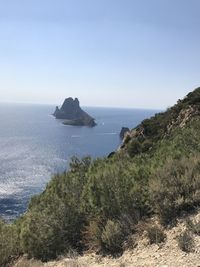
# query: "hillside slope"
[[163, 124], [144, 255], [99, 205]]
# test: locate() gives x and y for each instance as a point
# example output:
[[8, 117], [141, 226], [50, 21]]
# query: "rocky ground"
[[167, 254]]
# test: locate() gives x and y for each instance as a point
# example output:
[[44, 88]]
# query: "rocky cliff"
[[123, 132], [162, 125], [72, 113]]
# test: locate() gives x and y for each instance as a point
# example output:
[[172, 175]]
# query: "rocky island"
[[72, 113]]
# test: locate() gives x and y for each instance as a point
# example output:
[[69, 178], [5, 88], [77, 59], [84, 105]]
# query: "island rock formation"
[[72, 113]]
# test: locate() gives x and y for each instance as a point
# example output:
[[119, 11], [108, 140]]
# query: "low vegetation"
[[155, 234], [186, 241], [194, 227], [97, 203]]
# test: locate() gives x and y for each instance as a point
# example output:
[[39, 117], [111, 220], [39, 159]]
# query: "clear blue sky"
[[125, 53]]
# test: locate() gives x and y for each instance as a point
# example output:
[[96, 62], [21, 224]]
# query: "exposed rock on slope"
[[73, 114], [163, 124], [123, 132]]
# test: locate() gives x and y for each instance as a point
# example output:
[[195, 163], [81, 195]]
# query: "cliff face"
[[162, 125], [123, 132], [73, 114]]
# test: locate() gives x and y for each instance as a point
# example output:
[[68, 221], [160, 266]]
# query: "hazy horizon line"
[[83, 106]]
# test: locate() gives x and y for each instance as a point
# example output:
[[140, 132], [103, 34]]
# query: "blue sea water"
[[34, 146]]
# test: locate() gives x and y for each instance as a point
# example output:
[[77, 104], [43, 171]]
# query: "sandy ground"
[[164, 255]]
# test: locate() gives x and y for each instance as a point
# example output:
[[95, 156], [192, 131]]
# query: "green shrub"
[[186, 241], [40, 236], [49, 233], [134, 147], [155, 234], [146, 145], [112, 237], [9, 243], [92, 235], [194, 227], [116, 187], [176, 187], [54, 222], [108, 237], [193, 97]]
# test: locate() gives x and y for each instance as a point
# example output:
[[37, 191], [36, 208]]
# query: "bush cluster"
[[176, 187], [193, 226], [9, 243], [186, 241], [155, 234]]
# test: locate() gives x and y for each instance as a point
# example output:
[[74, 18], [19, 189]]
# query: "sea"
[[34, 146]]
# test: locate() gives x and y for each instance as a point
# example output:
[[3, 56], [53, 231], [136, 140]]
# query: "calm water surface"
[[34, 146]]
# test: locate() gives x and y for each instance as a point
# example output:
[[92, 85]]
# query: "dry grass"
[[144, 254], [23, 262], [28, 263]]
